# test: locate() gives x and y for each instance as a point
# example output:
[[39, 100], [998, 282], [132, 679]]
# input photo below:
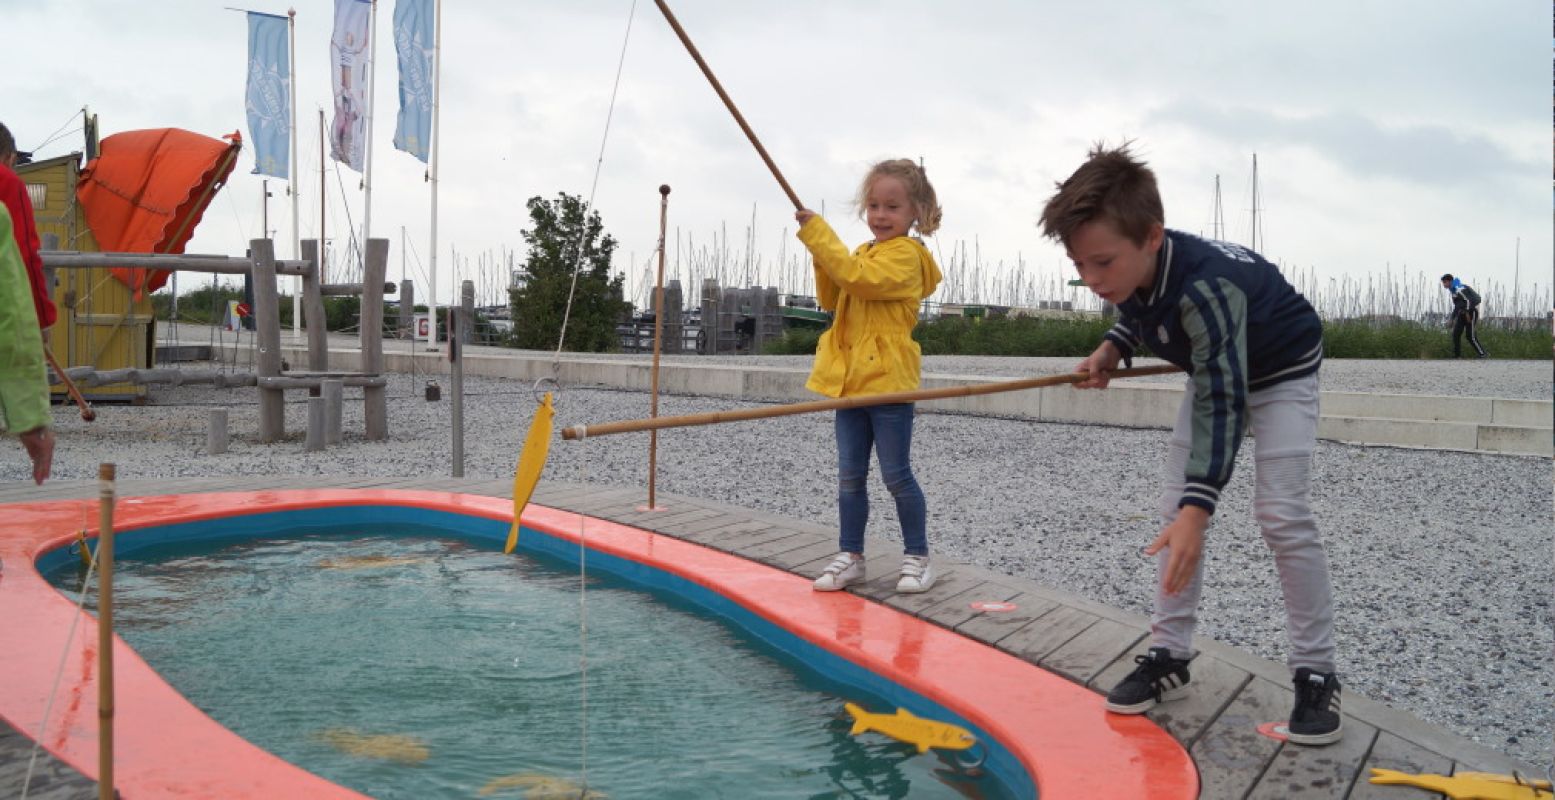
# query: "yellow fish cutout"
[[1468, 785], [531, 461], [387, 747], [904, 726], [540, 787]]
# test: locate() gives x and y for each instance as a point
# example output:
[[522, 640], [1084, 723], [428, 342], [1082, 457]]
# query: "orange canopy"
[[146, 192]]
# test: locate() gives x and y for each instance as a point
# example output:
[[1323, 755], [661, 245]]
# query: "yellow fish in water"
[[1468, 785], [370, 562], [396, 747], [541, 787], [904, 726]]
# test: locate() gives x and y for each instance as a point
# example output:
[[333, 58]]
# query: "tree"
[[559, 240]]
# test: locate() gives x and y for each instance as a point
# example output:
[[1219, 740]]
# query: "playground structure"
[[271, 375]]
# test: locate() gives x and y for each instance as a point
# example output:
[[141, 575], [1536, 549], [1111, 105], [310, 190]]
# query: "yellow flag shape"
[[531, 461]]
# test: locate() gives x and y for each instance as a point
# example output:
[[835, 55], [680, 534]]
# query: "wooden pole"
[[87, 413], [658, 344], [105, 476], [718, 87], [715, 417]]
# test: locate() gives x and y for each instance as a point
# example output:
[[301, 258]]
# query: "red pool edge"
[[165, 747]]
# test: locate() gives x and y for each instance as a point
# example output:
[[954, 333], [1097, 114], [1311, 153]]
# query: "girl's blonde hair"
[[919, 191]]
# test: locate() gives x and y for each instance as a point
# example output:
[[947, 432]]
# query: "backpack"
[[1471, 296]]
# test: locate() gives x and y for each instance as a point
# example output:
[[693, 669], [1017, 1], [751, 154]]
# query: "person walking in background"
[[1464, 315]]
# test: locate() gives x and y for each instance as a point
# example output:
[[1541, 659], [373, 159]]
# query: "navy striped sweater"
[[1229, 319]]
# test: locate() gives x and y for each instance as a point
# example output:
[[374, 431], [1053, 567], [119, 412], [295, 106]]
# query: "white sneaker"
[[843, 571], [917, 575]]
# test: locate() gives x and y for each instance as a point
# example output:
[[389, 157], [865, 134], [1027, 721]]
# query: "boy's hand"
[[1184, 540], [1103, 360], [39, 443], [803, 215]]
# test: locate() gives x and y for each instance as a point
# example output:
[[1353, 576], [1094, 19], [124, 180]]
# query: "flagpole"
[[291, 28], [372, 78], [437, 84]]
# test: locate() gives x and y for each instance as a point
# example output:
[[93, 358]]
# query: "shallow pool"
[[409, 665]]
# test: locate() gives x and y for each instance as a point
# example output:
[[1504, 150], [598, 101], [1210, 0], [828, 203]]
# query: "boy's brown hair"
[[1111, 185], [919, 190]]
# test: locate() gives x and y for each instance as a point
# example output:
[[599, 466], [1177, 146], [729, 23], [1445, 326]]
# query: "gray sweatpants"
[[1284, 423]]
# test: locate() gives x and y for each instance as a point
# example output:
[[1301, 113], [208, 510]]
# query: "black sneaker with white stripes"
[[1157, 678], [1316, 718]]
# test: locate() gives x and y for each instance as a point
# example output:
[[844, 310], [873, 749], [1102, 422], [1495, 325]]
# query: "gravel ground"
[[1442, 561]]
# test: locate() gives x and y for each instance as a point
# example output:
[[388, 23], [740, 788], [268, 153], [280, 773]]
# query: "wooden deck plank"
[[794, 560], [995, 628], [1088, 653], [1392, 752], [52, 779], [949, 582], [737, 543], [1047, 633], [1232, 755], [791, 540], [956, 610], [1317, 772]]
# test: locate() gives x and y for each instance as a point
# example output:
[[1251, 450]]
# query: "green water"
[[475, 655]]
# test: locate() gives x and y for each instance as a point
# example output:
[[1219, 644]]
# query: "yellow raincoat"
[[876, 292]]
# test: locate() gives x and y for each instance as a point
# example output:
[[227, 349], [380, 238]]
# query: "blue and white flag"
[[413, 29], [348, 67], [269, 96]]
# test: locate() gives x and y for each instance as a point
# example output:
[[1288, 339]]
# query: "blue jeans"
[[887, 429]]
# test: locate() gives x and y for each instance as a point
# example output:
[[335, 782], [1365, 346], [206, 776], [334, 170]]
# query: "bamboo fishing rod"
[[105, 501], [658, 344], [87, 413], [718, 87], [715, 417]]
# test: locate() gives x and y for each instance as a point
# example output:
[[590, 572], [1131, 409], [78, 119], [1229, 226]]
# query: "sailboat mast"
[[1255, 203]]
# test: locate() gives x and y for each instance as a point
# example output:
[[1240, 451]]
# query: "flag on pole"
[[348, 67], [413, 42], [269, 94]]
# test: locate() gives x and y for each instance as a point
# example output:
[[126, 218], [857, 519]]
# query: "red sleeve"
[[14, 192]]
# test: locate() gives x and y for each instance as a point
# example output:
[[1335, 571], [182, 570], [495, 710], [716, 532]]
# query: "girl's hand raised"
[[803, 215]]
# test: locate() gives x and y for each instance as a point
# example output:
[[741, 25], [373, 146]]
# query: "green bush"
[[1001, 336], [1407, 340], [795, 342]]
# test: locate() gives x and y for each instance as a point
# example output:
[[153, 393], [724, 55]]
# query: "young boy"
[[1251, 346]]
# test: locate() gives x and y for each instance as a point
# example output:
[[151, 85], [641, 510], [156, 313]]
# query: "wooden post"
[[459, 323], [658, 346], [407, 309], [316, 425], [313, 309], [333, 391], [374, 398], [105, 477], [216, 436], [267, 320]]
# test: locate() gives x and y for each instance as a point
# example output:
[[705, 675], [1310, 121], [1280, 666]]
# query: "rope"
[[59, 672], [583, 632], [561, 338]]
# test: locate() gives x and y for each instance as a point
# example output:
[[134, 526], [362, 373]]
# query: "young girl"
[[875, 293]]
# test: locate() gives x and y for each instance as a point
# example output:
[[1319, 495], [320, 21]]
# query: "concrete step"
[[1481, 424]]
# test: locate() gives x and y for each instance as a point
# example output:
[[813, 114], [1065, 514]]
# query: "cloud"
[[1432, 155]]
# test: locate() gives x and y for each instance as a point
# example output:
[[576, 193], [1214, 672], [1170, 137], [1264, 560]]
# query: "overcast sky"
[[1402, 134]]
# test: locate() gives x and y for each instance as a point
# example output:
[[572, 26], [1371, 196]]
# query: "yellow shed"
[[100, 325]]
